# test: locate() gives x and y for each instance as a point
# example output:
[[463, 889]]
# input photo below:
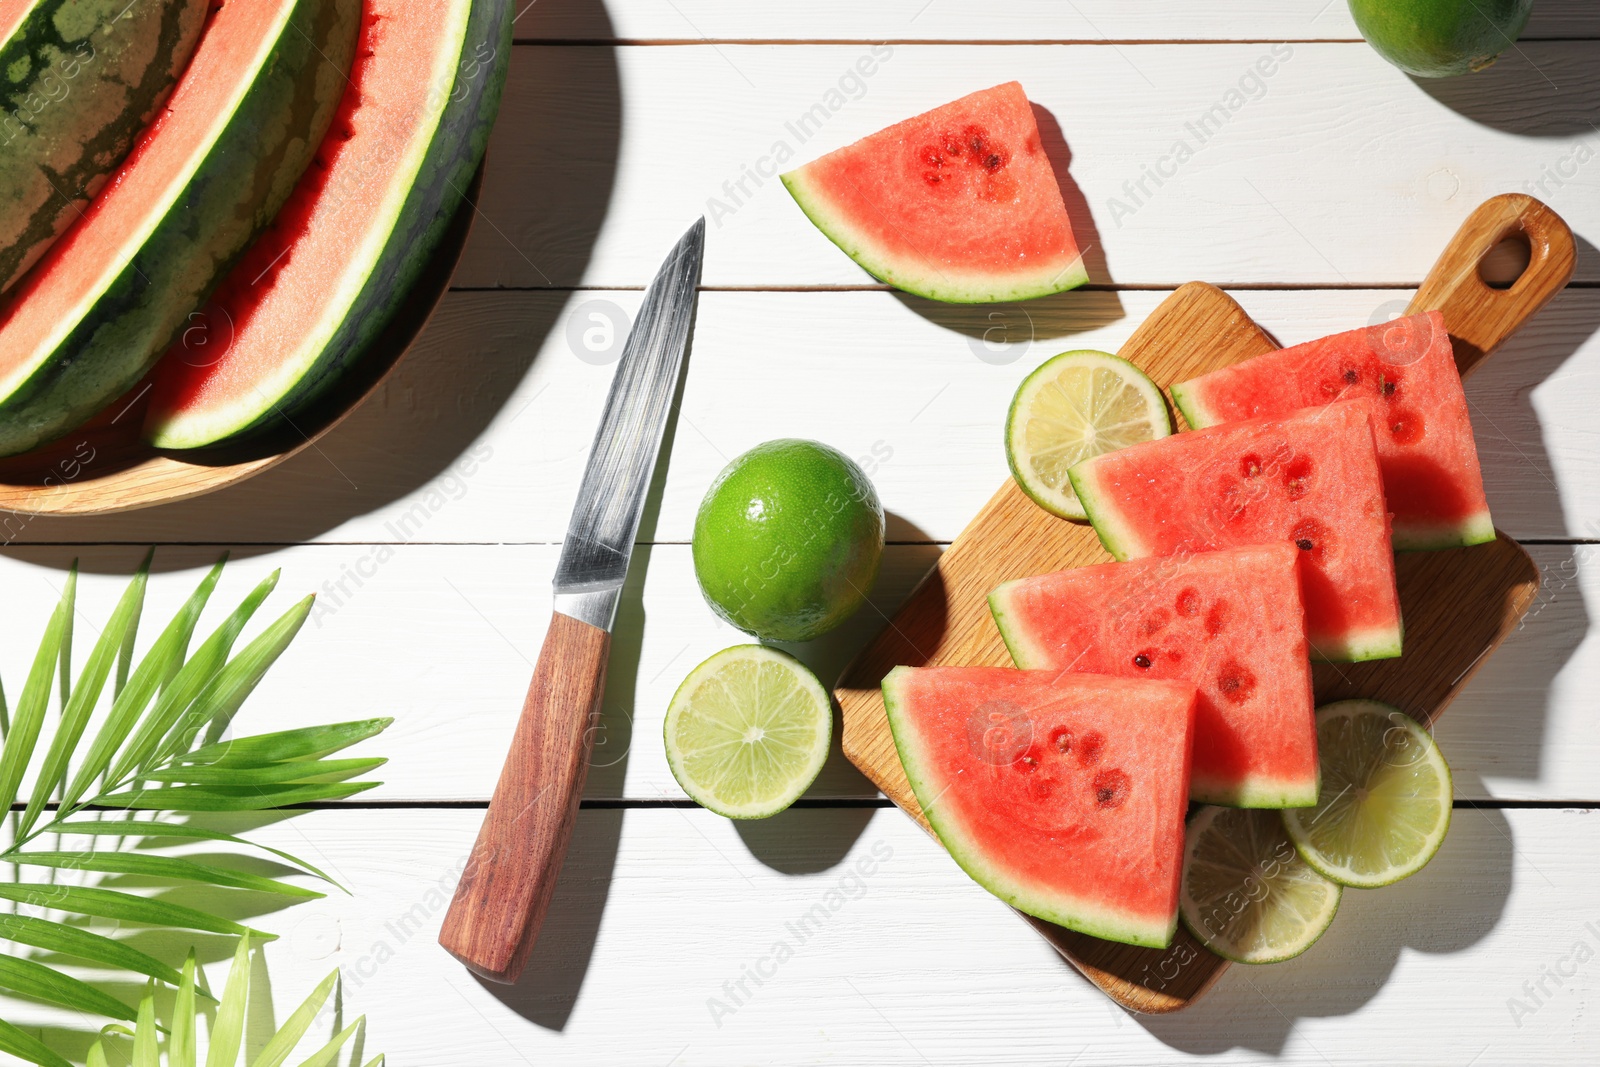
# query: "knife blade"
[[506, 885]]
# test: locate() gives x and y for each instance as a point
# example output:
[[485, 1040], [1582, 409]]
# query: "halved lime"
[[1384, 806], [1247, 894], [1074, 406], [748, 731]]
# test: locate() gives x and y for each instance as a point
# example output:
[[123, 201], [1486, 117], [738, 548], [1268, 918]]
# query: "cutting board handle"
[[1479, 316]]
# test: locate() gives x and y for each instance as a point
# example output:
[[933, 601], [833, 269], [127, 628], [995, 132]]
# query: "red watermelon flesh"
[[1228, 622], [959, 204], [1062, 794], [1405, 373], [1311, 479]]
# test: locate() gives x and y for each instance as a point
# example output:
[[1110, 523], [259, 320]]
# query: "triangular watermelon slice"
[[1228, 622], [1310, 479], [1062, 794], [1405, 373], [959, 204]]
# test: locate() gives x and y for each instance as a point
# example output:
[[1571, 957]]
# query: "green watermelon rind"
[[1257, 791], [81, 90], [1361, 646], [1476, 529], [233, 190], [934, 285], [1093, 919], [1121, 542], [442, 170]]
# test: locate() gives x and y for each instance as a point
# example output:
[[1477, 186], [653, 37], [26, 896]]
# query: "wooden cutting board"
[[1458, 605]]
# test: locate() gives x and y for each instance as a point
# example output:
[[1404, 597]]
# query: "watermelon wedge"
[[92, 316], [959, 204], [331, 270], [1228, 622], [81, 79], [1310, 479], [1062, 794], [1405, 373]]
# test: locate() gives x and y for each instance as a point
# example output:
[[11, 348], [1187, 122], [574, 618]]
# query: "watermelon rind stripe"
[[1057, 906], [935, 283], [96, 71], [437, 170], [1023, 653], [1194, 413], [1256, 791], [261, 141], [1118, 539], [1360, 645]]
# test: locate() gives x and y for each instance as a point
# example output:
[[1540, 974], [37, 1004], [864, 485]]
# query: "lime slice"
[[1247, 894], [1384, 805], [1074, 406], [748, 731]]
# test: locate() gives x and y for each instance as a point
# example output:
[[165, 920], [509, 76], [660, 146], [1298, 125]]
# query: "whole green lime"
[[1440, 38], [788, 539]]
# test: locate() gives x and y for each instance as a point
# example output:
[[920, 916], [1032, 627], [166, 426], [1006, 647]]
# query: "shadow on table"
[[1449, 906], [1536, 89], [417, 426]]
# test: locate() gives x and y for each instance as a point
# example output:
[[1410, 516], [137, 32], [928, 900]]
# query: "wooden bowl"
[[103, 466]]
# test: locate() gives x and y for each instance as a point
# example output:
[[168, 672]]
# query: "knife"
[[506, 885]]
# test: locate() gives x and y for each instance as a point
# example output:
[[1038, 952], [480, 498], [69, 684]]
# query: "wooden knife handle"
[[1478, 316], [506, 887]]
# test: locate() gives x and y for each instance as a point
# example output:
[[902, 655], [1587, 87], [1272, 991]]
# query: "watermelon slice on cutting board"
[[1311, 479], [1405, 373], [1228, 622], [304, 302], [959, 204], [1062, 794]]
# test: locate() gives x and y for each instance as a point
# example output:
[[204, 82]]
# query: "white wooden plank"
[[443, 638], [1336, 168], [481, 433], [898, 959], [972, 20]]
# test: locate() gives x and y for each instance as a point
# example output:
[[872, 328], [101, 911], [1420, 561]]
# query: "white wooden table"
[[431, 521]]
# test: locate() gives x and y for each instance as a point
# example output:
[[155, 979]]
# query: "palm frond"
[[227, 1031], [144, 755]]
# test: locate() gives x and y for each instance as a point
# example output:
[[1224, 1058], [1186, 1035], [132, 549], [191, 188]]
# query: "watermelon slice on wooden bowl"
[[314, 290], [1062, 794], [959, 204], [1229, 623], [81, 79], [1311, 479], [94, 314], [1405, 373]]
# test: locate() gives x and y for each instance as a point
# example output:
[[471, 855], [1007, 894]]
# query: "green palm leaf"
[[59, 937], [124, 907], [24, 730], [75, 716], [160, 663], [310, 742], [141, 828], [25, 1046], [143, 755], [44, 983], [169, 868], [221, 798]]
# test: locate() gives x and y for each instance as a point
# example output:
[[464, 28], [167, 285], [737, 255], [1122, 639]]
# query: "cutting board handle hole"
[[1506, 259]]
